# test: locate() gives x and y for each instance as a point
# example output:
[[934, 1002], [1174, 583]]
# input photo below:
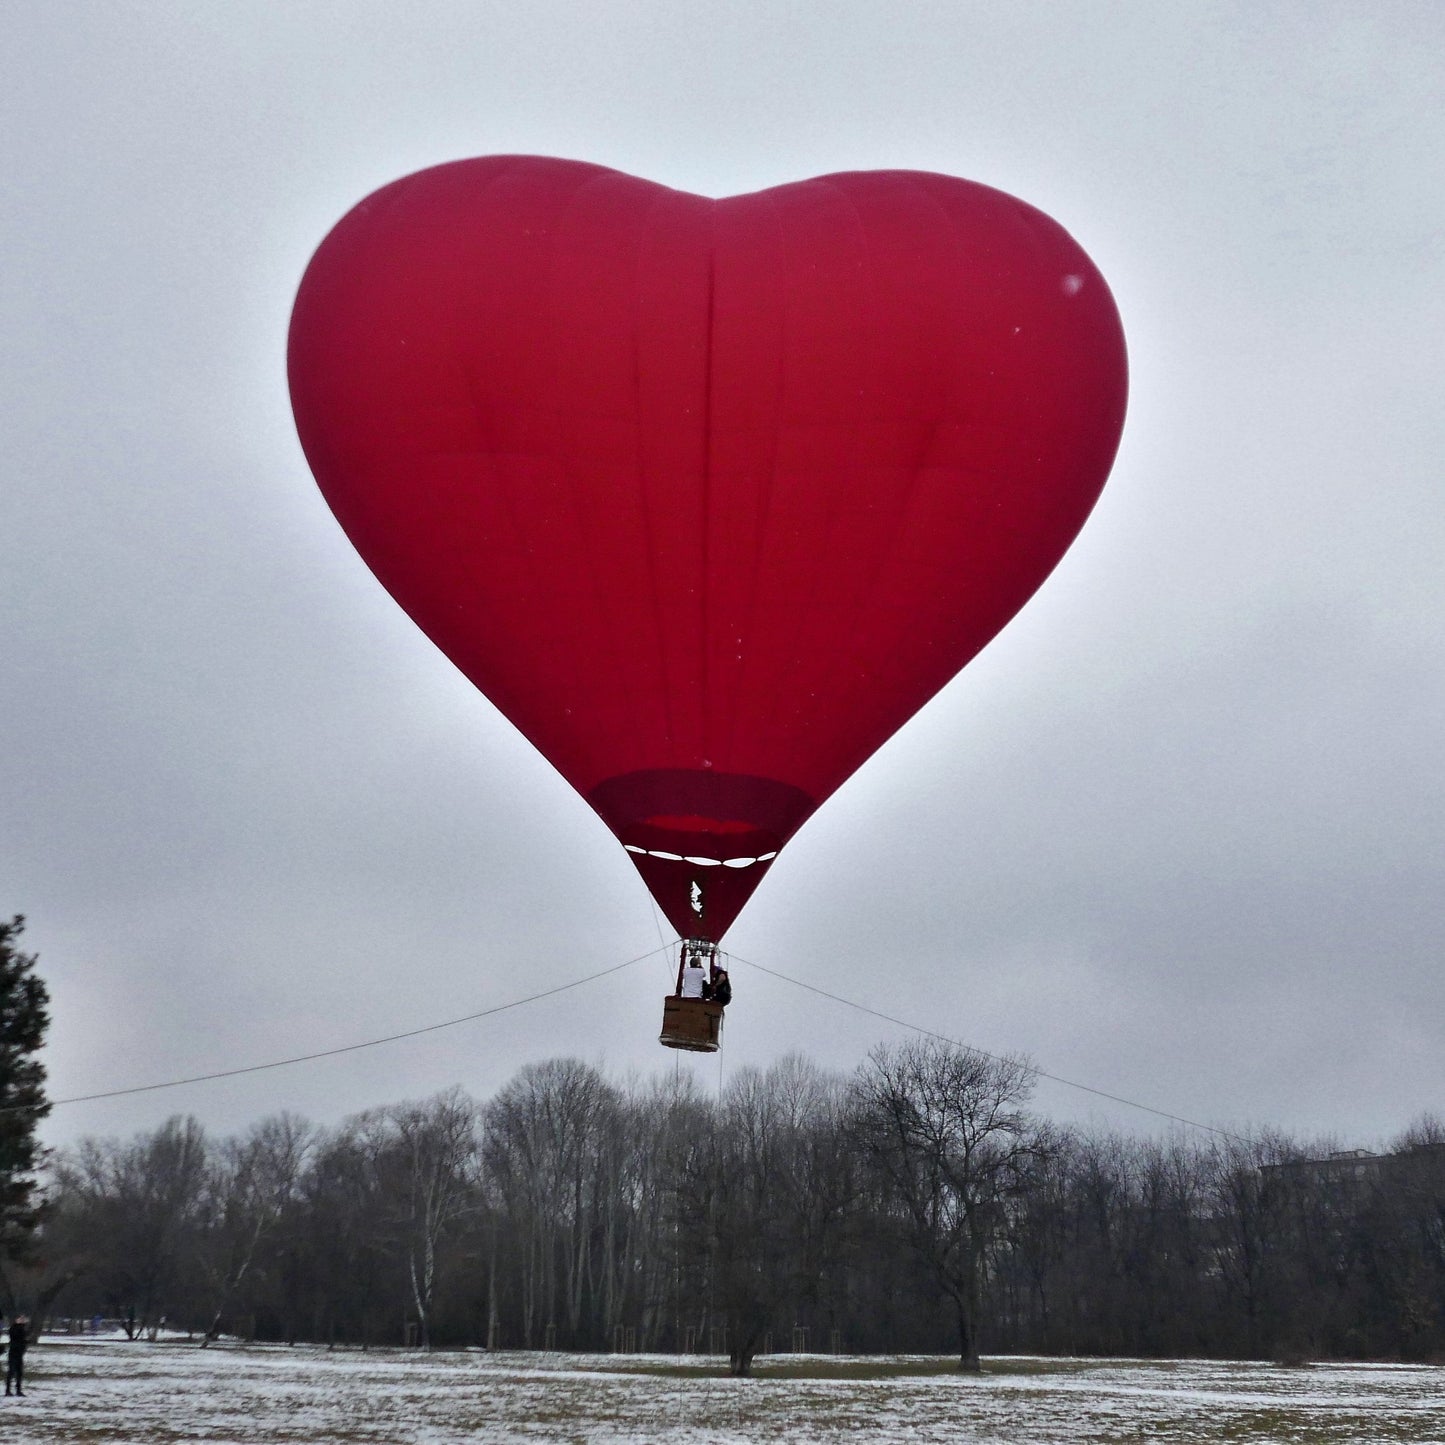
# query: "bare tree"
[[543, 1132], [666, 1120], [425, 1158], [139, 1202], [1042, 1238], [736, 1251], [765, 1183], [916, 1199], [338, 1248], [248, 1185], [945, 1128]]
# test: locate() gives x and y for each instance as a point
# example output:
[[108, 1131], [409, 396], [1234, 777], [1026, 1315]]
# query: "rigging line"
[[958, 1043], [657, 920], [344, 1048]]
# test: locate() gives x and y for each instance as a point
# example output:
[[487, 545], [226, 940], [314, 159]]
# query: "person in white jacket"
[[693, 978]]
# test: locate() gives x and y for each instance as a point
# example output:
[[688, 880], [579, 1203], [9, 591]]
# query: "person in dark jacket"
[[720, 990], [15, 1360]]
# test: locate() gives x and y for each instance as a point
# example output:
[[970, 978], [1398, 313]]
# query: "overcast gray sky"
[[1178, 834]]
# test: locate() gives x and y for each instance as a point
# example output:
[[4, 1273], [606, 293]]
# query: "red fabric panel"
[[693, 487]]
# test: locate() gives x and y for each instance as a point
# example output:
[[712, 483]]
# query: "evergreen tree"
[[24, 1018]]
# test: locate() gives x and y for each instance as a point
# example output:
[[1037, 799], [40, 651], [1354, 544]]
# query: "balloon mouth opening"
[[692, 815], [701, 838], [699, 859]]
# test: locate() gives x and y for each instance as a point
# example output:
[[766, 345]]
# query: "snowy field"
[[116, 1391]]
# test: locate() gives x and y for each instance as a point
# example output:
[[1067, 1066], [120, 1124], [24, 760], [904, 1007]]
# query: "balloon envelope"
[[707, 496]]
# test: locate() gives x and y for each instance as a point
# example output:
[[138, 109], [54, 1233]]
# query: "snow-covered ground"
[[117, 1391]]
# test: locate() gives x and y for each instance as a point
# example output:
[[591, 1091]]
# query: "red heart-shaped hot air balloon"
[[707, 496]]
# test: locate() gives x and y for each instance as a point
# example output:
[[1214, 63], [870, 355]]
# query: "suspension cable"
[[663, 949], [957, 1043], [344, 1048]]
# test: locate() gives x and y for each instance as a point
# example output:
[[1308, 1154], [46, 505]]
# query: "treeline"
[[914, 1206]]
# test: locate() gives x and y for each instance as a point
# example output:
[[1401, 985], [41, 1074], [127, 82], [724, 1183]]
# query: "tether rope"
[[973, 1048], [664, 949], [346, 1048]]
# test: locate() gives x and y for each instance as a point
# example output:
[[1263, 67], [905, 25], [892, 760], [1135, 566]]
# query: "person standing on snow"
[[15, 1359]]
